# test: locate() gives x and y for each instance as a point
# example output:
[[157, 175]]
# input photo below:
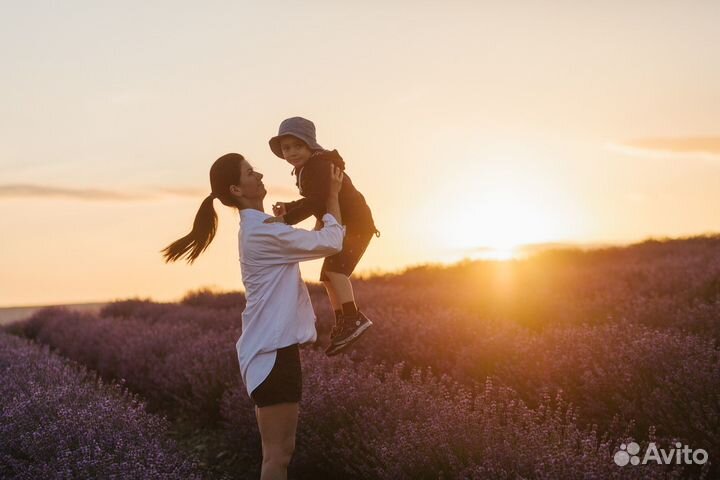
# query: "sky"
[[470, 127]]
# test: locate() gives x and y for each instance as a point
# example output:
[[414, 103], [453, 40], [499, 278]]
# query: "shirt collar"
[[251, 213]]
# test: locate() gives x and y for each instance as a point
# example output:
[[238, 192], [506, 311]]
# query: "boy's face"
[[294, 151]]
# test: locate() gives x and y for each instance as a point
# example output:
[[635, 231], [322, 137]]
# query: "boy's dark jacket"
[[313, 181]]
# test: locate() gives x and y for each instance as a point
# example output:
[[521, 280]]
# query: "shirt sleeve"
[[282, 243]]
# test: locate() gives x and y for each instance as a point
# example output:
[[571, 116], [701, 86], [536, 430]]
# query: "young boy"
[[296, 144]]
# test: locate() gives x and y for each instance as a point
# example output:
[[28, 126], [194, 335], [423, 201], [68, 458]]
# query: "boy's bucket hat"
[[298, 127]]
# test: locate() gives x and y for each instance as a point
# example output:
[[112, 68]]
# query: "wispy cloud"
[[25, 190], [690, 148]]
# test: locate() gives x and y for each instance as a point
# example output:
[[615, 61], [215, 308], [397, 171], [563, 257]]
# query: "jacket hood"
[[331, 156]]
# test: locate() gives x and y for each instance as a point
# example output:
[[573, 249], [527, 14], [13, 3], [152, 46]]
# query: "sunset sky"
[[469, 127]]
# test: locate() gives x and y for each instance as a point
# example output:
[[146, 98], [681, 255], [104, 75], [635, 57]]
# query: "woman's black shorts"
[[284, 383], [345, 261]]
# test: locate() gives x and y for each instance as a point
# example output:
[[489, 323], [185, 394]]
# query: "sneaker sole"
[[333, 350]]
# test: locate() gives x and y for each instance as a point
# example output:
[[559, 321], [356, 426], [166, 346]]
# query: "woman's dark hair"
[[223, 173]]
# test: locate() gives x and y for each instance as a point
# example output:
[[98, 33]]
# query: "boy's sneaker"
[[346, 332]]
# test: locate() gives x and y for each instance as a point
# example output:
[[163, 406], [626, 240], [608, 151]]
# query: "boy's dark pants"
[[345, 261]]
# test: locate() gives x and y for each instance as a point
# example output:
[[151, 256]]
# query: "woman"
[[278, 315]]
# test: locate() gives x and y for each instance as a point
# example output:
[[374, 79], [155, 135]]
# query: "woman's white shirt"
[[278, 311]]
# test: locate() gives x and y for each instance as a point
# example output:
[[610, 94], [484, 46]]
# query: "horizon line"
[[530, 248]]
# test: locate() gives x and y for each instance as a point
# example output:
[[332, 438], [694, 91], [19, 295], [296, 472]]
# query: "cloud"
[[21, 190], [24, 190], [705, 149]]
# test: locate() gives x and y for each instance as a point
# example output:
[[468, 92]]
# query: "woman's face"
[[295, 151], [251, 183]]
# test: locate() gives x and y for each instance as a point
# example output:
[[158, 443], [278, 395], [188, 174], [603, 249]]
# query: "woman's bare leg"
[[277, 424]]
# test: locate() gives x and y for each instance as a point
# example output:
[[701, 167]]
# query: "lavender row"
[[360, 421], [60, 421], [625, 384], [659, 378], [177, 365]]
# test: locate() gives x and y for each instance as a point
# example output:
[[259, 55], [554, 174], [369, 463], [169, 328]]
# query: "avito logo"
[[680, 455]]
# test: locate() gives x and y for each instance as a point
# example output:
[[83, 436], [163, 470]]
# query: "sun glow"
[[493, 224], [495, 254]]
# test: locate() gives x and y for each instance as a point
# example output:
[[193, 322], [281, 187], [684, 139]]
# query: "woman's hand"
[[336, 178], [333, 203]]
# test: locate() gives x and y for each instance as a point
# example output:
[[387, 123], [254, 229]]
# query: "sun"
[[495, 254]]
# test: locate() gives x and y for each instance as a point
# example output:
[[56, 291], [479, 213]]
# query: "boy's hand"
[[279, 209], [336, 178], [319, 224], [278, 219]]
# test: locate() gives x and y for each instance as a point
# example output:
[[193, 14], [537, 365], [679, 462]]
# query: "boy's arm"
[[317, 190], [298, 211], [290, 205]]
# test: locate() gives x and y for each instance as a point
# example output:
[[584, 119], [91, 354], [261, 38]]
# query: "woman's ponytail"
[[223, 173], [195, 242]]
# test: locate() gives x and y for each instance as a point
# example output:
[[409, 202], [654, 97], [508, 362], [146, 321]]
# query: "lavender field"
[[59, 420], [534, 369]]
